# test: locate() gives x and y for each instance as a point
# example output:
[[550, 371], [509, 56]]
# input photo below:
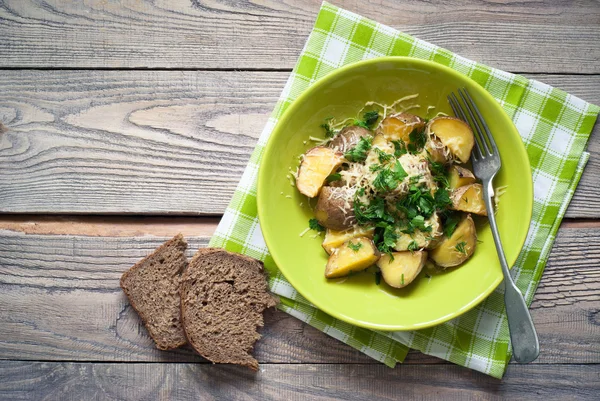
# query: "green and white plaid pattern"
[[554, 126]]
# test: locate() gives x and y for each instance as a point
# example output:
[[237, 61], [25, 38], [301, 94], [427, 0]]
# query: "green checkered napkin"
[[554, 126]]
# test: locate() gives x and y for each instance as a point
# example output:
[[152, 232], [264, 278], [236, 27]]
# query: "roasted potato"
[[403, 269], [421, 239], [455, 134], [334, 239], [348, 138], [399, 126], [354, 255], [317, 164], [469, 198], [437, 151], [460, 176], [459, 247], [335, 208]]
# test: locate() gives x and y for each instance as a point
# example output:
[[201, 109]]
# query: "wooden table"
[[126, 122]]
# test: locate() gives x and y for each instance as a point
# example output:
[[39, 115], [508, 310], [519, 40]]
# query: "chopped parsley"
[[329, 131], [383, 157], [313, 224], [438, 171], [402, 279], [355, 247], [378, 277], [359, 152], [450, 224], [370, 118], [460, 247], [417, 138], [333, 177], [399, 148], [413, 246], [442, 198], [388, 179]]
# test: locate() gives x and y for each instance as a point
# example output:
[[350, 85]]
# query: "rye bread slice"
[[152, 286], [223, 296]]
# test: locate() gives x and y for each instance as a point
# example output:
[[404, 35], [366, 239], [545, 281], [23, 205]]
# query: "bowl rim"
[[277, 131]]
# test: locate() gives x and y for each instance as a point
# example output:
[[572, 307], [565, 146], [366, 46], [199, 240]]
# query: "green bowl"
[[284, 212]]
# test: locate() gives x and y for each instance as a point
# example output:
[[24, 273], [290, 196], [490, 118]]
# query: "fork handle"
[[523, 336]]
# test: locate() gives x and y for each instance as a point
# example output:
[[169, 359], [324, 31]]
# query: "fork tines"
[[484, 141]]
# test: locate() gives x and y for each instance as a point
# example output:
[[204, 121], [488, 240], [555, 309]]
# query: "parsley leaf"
[[383, 157], [387, 180], [333, 177], [399, 148], [450, 224], [399, 172], [329, 132], [417, 138], [359, 152], [385, 238], [442, 198], [314, 225], [355, 247], [413, 246], [402, 279], [370, 118]]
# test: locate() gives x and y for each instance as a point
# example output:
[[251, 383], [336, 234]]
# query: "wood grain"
[[524, 36], [60, 300], [158, 142], [76, 381]]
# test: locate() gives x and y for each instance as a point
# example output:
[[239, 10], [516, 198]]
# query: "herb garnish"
[[383, 157], [413, 246], [377, 277], [313, 224], [402, 279], [369, 119], [355, 247], [450, 224], [399, 148], [333, 177], [417, 138], [460, 247], [359, 152], [387, 180], [329, 131]]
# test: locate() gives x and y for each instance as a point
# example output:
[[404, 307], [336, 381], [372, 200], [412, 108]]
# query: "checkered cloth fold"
[[554, 126]]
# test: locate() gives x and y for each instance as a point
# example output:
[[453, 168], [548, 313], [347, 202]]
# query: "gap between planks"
[[137, 226]]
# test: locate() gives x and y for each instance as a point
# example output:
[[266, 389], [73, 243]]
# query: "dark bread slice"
[[223, 296], [152, 286]]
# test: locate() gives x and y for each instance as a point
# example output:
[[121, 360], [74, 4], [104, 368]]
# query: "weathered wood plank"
[[60, 300], [157, 142], [516, 36], [76, 381]]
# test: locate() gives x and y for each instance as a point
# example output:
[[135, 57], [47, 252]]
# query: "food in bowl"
[[393, 190]]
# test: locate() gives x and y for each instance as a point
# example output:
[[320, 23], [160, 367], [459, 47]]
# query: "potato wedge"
[[335, 208], [353, 256], [459, 247], [348, 137], [405, 267], [437, 151], [455, 134], [469, 198], [317, 164], [399, 126], [460, 176], [334, 239]]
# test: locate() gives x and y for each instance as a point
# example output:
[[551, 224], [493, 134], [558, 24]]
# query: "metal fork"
[[486, 164]]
